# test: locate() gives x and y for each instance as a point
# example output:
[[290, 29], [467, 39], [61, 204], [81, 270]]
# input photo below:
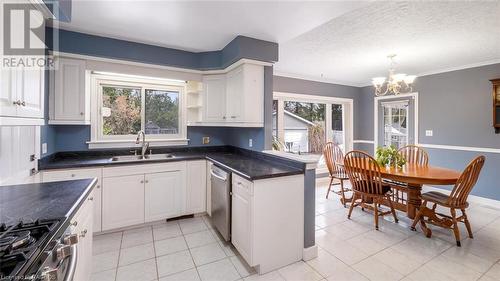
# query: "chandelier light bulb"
[[409, 79], [394, 84]]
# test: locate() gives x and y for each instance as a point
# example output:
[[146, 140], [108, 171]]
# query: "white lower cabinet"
[[267, 221], [241, 218], [75, 174], [82, 223], [122, 201], [163, 195], [196, 191]]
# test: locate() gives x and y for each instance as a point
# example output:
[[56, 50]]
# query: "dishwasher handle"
[[217, 176]]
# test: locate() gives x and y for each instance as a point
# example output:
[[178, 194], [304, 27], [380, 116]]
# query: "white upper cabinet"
[[214, 98], [235, 98], [22, 96], [69, 101]]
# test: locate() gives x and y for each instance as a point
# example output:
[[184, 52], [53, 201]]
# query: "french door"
[[396, 121], [303, 124]]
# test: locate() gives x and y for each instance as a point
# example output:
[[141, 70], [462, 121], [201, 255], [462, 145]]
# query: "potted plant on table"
[[389, 157]]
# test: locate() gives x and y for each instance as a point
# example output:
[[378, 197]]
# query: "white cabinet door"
[[196, 196], [75, 174], [241, 220], [69, 91], [31, 92], [235, 92], [122, 201], [214, 97], [7, 93], [163, 195], [17, 145], [209, 188], [84, 230]]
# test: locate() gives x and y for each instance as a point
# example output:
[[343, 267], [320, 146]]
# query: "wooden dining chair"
[[414, 155], [333, 156], [457, 199], [367, 184]]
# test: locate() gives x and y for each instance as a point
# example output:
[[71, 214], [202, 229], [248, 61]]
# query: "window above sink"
[[126, 104]]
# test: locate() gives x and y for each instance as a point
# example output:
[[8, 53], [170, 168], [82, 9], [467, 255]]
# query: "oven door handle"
[[72, 264]]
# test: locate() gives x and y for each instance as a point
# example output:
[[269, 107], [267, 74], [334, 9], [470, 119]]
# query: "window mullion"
[[143, 109]]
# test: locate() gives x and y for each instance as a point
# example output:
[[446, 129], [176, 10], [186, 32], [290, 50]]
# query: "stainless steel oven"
[[221, 201]]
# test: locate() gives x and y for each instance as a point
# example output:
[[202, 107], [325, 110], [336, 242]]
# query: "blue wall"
[[73, 138]]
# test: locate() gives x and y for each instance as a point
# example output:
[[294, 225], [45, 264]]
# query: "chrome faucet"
[[145, 145]]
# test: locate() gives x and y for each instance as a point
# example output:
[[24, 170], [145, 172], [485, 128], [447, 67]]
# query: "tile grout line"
[[119, 252]]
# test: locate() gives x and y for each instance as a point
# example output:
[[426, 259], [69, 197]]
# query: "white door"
[[235, 92], [69, 90], [196, 187], [241, 220], [7, 93], [31, 92], [163, 195], [214, 88], [122, 201]]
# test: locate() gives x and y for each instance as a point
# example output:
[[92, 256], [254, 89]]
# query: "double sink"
[[132, 158]]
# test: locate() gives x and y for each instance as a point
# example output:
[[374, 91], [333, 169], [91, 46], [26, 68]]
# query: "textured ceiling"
[[202, 25], [426, 36]]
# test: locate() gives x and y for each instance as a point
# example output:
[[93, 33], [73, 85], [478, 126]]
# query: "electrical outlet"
[[428, 133], [250, 142], [205, 140], [44, 148]]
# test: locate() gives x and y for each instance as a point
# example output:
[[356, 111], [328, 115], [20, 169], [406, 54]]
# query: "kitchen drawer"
[[139, 169], [242, 184], [73, 174]]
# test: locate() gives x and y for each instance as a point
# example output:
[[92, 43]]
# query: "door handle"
[[217, 176]]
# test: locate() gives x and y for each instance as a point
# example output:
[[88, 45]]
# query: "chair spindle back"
[[414, 155], [333, 155], [363, 172], [466, 181]]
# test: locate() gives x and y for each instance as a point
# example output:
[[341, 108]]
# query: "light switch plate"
[[250, 142], [428, 133], [205, 140], [44, 148]]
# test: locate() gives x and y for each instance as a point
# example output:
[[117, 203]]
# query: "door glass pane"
[[395, 124], [162, 112], [337, 126], [121, 110], [304, 127]]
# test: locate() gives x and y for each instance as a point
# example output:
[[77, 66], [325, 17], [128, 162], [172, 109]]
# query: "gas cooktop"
[[21, 244]]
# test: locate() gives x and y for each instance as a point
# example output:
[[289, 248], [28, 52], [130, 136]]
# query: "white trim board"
[[462, 148], [363, 141], [472, 198], [375, 115], [317, 79]]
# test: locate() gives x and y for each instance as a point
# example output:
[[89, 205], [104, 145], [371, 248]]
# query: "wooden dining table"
[[415, 176]]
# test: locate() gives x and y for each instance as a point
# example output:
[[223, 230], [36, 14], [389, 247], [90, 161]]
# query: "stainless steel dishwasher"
[[221, 201]]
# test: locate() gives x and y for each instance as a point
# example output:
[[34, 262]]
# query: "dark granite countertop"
[[29, 202], [252, 165]]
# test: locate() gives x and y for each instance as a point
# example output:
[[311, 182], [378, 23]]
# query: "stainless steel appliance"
[[38, 250], [221, 201]]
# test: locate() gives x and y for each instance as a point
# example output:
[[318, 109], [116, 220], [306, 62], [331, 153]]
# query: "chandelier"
[[394, 84]]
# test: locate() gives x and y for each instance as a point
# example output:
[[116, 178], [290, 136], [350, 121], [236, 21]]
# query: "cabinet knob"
[[72, 175], [81, 113], [142, 181], [75, 223], [91, 198], [224, 117], [147, 181], [23, 103], [233, 116], [18, 102], [98, 186], [83, 233]]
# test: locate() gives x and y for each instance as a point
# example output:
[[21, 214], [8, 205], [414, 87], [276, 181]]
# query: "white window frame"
[[347, 122], [414, 96], [98, 80]]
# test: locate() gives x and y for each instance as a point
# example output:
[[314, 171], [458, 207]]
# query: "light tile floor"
[[190, 249]]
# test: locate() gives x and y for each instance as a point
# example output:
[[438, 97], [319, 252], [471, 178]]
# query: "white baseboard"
[[310, 253], [472, 198]]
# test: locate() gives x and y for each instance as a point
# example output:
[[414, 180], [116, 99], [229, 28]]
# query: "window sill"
[[97, 144]]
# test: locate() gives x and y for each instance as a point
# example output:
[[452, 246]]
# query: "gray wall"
[[457, 106]]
